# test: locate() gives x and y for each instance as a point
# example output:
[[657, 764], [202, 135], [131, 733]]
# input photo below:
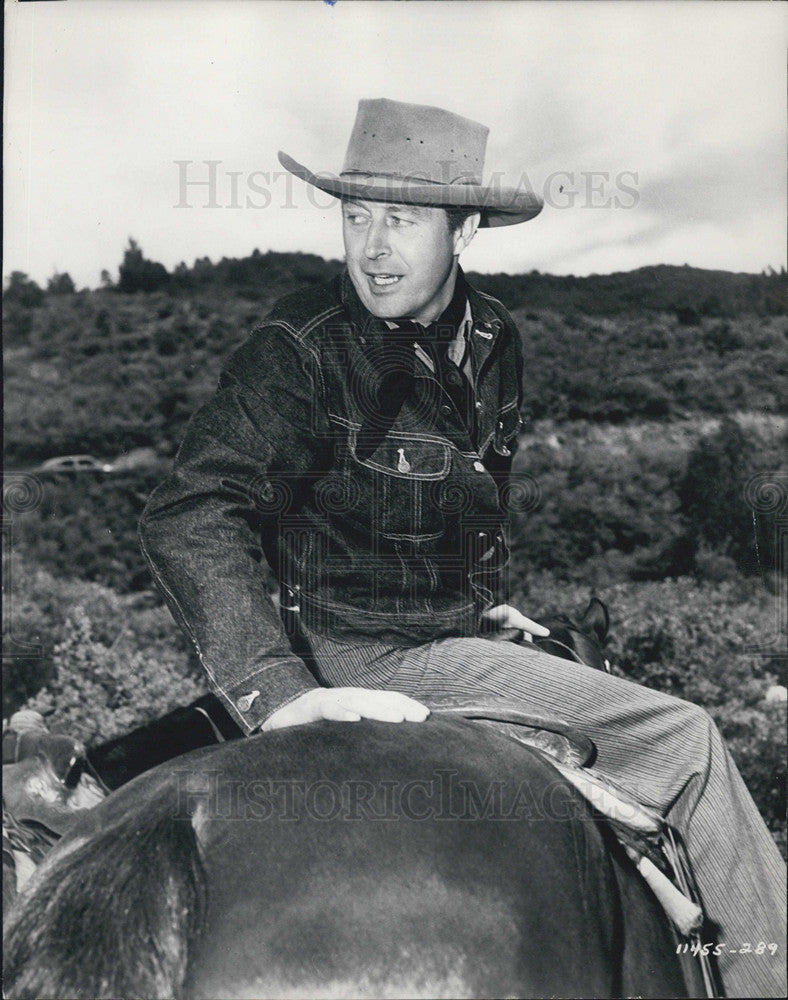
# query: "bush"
[[700, 643], [649, 501], [88, 524], [60, 284], [21, 291], [37, 605], [595, 500], [21, 299], [687, 316], [722, 338], [642, 396], [101, 691], [655, 367], [713, 496]]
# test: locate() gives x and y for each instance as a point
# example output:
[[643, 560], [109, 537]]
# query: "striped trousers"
[[666, 751]]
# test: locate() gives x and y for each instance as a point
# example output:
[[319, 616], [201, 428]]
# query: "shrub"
[[641, 396], [136, 274], [99, 691], [722, 338], [88, 523], [713, 498], [37, 605], [594, 500], [687, 316], [21, 299], [23, 292]]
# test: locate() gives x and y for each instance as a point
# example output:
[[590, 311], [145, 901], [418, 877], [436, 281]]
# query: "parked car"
[[75, 463]]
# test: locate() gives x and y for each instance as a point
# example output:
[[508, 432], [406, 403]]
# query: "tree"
[[61, 284], [138, 274], [712, 494], [22, 291]]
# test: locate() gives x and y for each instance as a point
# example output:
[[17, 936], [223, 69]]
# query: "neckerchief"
[[398, 367]]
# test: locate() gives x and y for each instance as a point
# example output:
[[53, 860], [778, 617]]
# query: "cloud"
[[103, 97]]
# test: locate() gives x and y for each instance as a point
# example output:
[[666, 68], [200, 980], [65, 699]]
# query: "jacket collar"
[[483, 332], [485, 329]]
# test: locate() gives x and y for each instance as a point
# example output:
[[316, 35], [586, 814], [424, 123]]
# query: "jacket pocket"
[[398, 479]]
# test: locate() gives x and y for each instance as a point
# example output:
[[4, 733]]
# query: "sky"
[[655, 131]]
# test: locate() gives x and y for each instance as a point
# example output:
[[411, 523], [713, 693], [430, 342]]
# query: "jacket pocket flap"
[[406, 457]]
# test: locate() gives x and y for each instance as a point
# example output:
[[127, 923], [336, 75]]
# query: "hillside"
[[655, 289], [117, 374], [123, 367]]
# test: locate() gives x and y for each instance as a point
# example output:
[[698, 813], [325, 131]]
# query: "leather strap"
[[500, 710]]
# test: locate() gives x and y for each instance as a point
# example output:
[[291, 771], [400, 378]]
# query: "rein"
[[572, 653]]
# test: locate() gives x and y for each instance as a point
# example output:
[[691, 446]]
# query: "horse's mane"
[[151, 872]]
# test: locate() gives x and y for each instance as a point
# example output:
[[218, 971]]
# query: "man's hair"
[[456, 216]]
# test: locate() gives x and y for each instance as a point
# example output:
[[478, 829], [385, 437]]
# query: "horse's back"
[[441, 860], [430, 859]]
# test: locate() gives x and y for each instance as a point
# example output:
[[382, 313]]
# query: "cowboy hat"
[[419, 155]]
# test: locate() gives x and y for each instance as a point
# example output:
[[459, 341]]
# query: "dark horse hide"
[[434, 859]]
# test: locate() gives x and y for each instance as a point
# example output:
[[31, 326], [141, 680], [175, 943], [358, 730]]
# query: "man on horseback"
[[360, 443]]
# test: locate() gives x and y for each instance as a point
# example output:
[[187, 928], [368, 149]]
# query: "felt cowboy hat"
[[419, 155]]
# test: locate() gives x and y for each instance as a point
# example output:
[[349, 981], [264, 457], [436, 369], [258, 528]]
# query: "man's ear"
[[465, 234]]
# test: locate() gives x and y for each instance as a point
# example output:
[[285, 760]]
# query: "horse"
[[434, 859]]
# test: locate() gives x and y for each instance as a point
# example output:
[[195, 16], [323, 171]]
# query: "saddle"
[[559, 740], [45, 788], [651, 845]]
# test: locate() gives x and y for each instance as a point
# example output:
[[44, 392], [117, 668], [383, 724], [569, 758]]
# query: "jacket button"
[[478, 404], [479, 466], [445, 409], [246, 701]]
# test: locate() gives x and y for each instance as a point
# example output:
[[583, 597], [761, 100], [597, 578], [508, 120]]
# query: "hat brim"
[[499, 206]]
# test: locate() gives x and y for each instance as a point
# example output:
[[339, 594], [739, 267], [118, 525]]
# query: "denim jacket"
[[401, 544]]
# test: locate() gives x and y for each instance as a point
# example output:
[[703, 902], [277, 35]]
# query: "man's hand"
[[504, 616], [347, 705]]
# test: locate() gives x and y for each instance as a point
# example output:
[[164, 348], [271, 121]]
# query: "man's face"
[[401, 258]]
